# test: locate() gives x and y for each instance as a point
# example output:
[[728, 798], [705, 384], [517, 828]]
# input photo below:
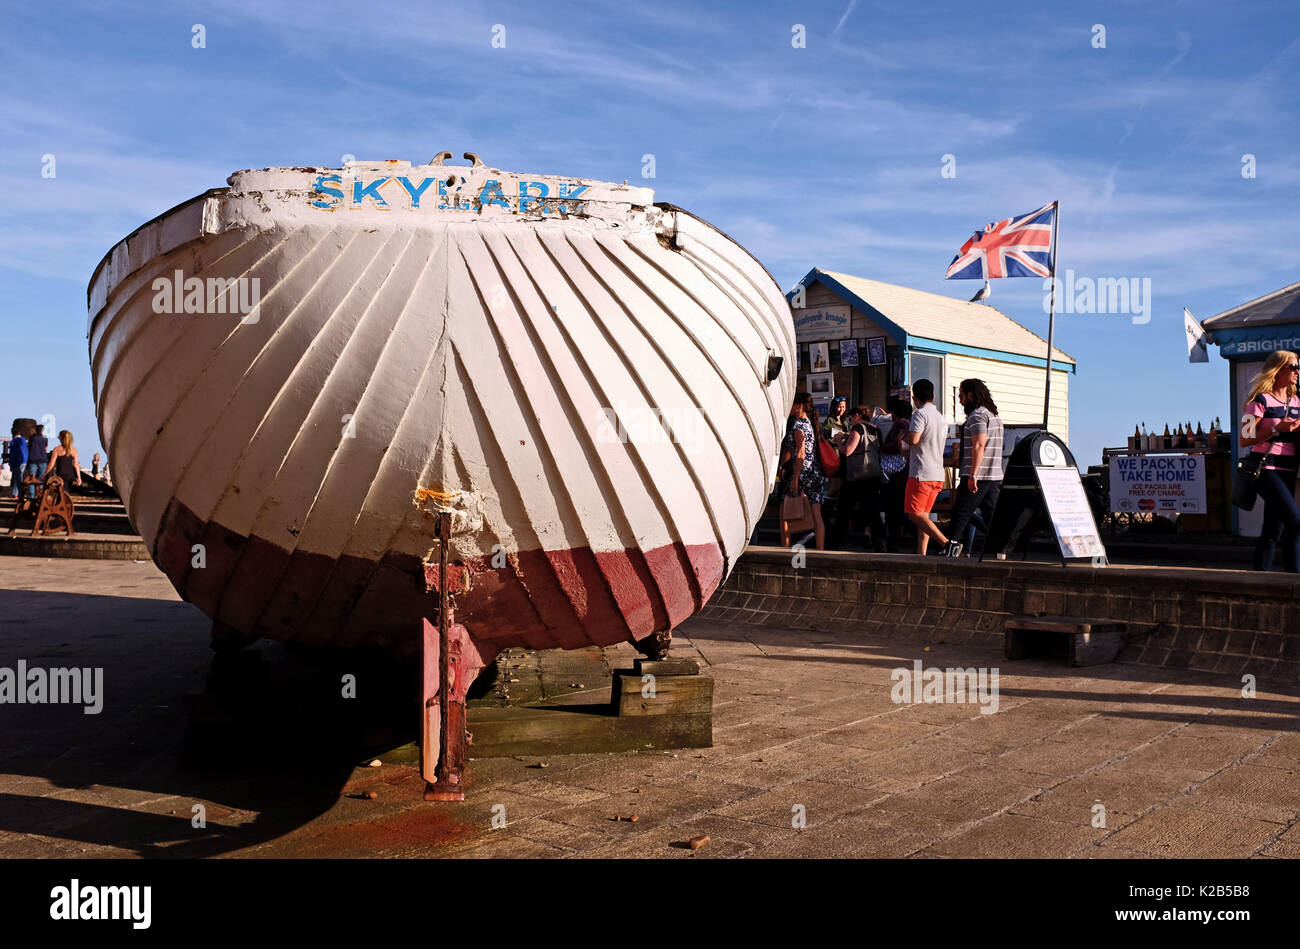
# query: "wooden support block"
[[646, 710], [504, 732], [1081, 642], [639, 695], [666, 667]]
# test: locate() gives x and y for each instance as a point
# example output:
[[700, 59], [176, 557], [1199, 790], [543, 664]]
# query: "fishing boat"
[[300, 376]]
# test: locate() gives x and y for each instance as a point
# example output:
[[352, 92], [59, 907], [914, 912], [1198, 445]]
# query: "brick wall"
[[1226, 621]]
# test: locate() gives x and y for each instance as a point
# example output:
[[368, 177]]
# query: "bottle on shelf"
[[1134, 439], [1167, 441], [1180, 439], [1200, 437]]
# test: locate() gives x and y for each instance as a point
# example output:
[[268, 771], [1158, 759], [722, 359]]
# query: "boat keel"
[[450, 664], [444, 741]]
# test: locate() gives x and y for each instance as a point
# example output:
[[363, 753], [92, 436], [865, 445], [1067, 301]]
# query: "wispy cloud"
[[844, 18], [828, 155]]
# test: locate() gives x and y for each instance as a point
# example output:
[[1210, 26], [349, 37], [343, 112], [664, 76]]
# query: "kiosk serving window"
[[927, 366]]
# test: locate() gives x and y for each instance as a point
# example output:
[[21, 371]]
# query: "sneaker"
[[953, 549]]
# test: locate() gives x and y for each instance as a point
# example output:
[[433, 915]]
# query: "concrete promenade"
[[811, 757]]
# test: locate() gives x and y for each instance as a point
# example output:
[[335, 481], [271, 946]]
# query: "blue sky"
[[824, 156]]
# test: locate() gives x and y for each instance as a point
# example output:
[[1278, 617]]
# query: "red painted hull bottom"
[[540, 599]]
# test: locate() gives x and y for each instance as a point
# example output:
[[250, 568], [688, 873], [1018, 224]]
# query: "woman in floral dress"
[[803, 474]]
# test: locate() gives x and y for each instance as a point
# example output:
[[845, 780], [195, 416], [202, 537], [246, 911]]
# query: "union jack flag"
[[1017, 247]]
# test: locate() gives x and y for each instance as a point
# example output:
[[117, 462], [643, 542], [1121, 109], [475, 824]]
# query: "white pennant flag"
[[1196, 351]]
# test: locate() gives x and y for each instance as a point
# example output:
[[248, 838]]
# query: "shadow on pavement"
[[273, 730]]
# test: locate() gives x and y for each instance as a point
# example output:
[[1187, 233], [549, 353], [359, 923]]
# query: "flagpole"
[[1051, 317]]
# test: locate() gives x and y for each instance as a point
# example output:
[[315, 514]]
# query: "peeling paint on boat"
[[578, 374]]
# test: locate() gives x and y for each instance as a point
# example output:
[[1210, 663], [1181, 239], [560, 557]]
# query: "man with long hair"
[[980, 479]]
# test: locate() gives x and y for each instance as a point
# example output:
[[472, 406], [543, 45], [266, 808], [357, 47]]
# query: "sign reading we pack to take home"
[[1173, 484]]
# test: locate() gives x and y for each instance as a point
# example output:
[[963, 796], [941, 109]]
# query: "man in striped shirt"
[[981, 459]]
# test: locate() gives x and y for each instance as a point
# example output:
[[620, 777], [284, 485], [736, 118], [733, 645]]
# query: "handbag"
[[796, 510], [830, 458], [1245, 483], [893, 464]]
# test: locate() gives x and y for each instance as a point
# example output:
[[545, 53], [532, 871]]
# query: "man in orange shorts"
[[926, 434]]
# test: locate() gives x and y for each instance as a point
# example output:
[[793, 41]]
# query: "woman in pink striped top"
[[1269, 426]]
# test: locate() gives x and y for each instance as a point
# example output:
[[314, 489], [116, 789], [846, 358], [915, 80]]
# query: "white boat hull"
[[585, 387]]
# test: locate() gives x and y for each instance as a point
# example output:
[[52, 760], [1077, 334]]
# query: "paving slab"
[[1270, 794], [1182, 763], [1180, 830], [852, 838], [802, 802], [1018, 835]]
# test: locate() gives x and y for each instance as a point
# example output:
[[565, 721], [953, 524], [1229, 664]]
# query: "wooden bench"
[[1081, 642]]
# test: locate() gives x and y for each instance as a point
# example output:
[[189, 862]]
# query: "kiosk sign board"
[[1068, 510], [1157, 484], [1042, 487], [816, 323]]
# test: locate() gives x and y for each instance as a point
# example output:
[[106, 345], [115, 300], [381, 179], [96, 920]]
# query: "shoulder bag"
[[1245, 483], [830, 458]]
